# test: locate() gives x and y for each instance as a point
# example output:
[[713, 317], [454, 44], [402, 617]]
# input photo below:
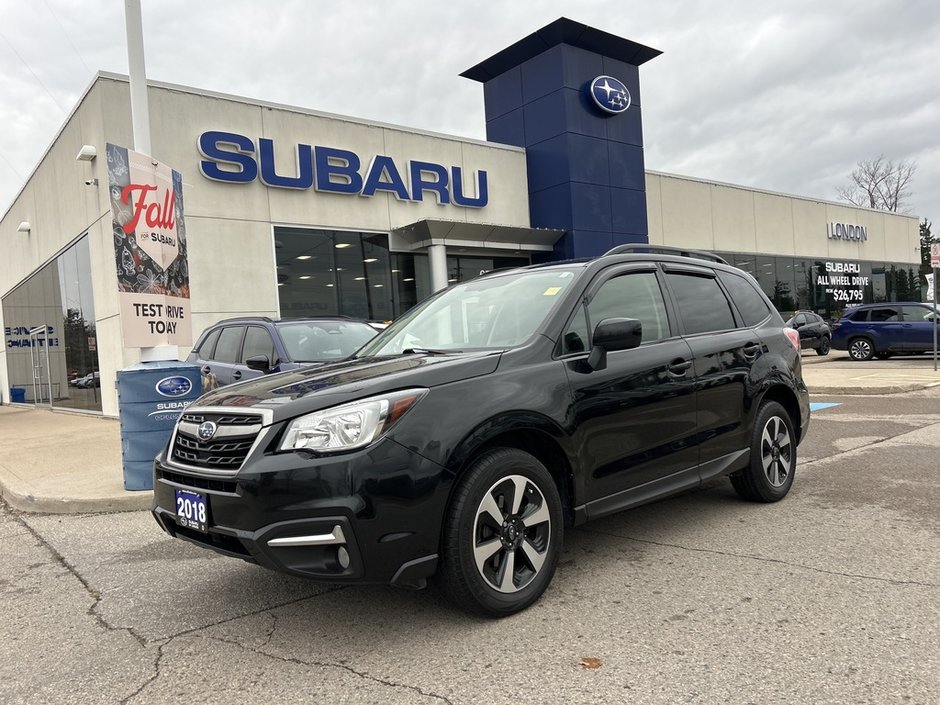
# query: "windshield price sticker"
[[192, 510]]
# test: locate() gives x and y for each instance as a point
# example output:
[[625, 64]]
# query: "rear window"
[[703, 306], [749, 301]]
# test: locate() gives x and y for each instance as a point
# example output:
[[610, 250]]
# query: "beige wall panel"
[[231, 267], [902, 239], [809, 229], [654, 208], [687, 214], [773, 221], [733, 219]]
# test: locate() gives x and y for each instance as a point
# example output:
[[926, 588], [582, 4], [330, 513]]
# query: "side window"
[[636, 296], [800, 320], [916, 314], [884, 315], [226, 350], [748, 299], [859, 316], [208, 345], [258, 342], [701, 302]]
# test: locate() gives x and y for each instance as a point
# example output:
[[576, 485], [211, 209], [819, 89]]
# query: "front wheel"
[[502, 535], [824, 347], [861, 349], [769, 476]]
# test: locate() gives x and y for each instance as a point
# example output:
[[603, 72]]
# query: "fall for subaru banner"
[[149, 249]]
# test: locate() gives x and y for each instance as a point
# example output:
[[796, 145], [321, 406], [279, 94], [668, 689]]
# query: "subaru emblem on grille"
[[206, 431]]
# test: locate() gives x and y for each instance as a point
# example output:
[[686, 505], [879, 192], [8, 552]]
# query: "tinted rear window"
[[703, 306], [749, 301]]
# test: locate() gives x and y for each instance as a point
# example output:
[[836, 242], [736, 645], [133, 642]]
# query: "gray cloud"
[[783, 96]]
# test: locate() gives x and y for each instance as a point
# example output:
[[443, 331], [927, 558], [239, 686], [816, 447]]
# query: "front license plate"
[[192, 510]]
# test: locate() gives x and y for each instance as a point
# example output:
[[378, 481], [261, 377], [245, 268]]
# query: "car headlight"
[[349, 426]]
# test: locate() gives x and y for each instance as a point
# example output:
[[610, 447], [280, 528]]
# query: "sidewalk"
[[68, 463]]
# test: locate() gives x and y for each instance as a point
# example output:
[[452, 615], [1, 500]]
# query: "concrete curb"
[[24, 502], [871, 391]]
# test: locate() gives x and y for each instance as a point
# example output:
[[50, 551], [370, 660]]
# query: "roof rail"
[[664, 250], [245, 318]]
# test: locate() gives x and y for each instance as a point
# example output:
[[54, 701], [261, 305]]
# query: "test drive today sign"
[[149, 249]]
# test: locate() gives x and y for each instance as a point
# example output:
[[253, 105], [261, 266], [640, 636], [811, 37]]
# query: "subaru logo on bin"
[[173, 386], [610, 95], [206, 431]]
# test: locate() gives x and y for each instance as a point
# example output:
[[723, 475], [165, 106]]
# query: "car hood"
[[296, 392]]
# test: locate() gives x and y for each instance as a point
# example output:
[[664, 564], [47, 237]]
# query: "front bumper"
[[371, 516]]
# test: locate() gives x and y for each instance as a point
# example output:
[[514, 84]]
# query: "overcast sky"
[[783, 96]]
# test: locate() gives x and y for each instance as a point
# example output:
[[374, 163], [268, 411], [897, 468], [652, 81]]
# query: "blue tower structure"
[[570, 95]]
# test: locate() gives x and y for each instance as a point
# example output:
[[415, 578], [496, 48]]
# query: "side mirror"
[[259, 362], [613, 334]]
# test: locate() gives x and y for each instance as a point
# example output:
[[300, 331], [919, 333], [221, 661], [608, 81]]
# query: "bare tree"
[[880, 183]]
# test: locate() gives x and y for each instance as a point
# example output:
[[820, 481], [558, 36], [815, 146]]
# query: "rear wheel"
[[769, 476], [503, 534], [861, 349], [824, 347]]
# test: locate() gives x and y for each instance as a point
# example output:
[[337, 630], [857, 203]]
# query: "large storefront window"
[[336, 272], [828, 287], [49, 333]]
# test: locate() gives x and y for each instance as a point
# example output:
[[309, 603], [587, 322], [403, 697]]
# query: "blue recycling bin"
[[151, 396], [17, 395]]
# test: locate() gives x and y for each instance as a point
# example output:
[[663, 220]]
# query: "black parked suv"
[[814, 331], [465, 438]]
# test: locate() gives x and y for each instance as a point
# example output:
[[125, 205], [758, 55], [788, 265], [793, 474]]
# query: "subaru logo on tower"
[[206, 431], [173, 386], [610, 95]]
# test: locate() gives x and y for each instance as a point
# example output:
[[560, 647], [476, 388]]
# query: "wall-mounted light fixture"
[[24, 227], [87, 153]]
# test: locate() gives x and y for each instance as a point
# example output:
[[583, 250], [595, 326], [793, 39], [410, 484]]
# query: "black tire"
[[527, 540], [861, 349], [824, 347], [769, 475]]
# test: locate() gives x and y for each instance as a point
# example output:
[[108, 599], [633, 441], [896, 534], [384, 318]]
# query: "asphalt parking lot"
[[832, 595]]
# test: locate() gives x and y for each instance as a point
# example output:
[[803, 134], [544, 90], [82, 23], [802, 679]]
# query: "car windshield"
[[495, 312], [317, 341]]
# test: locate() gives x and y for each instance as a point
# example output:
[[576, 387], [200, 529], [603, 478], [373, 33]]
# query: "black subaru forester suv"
[[465, 438]]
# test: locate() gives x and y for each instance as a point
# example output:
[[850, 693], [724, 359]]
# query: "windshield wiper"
[[427, 351]]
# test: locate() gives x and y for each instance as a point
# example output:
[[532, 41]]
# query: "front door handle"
[[678, 368], [237, 374]]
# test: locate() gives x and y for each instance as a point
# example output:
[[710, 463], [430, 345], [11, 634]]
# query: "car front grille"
[[225, 451]]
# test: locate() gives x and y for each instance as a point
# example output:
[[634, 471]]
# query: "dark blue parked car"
[[886, 329], [243, 348]]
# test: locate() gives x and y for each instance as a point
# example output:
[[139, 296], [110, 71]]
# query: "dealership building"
[[293, 212]]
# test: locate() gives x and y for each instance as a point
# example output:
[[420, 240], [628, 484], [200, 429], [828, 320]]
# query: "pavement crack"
[[157, 664], [94, 593], [763, 559], [339, 666]]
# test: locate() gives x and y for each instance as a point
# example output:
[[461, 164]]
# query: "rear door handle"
[[678, 368], [237, 374]]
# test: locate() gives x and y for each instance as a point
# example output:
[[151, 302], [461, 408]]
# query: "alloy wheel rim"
[[511, 534], [776, 450], [860, 349]]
